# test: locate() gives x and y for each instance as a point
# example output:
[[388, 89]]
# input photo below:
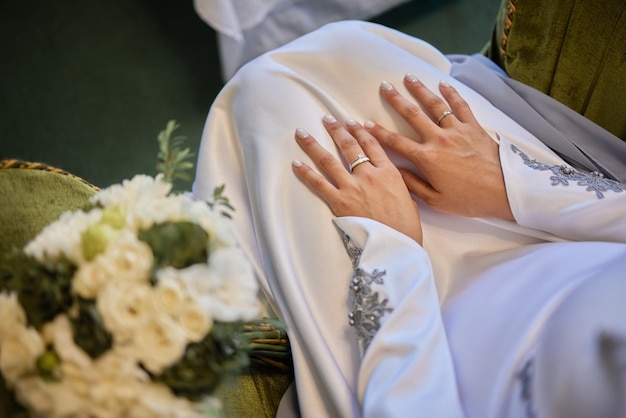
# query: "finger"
[[322, 158], [458, 105], [411, 112], [315, 181], [394, 141], [348, 145], [418, 186], [371, 147], [434, 105]]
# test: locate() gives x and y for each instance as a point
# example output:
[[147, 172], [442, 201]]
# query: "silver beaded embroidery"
[[526, 393], [367, 308], [562, 175]]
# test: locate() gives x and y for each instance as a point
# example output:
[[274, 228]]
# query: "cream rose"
[[89, 279], [11, 314], [19, 351], [169, 293], [195, 321], [158, 401], [127, 258], [124, 306], [160, 342]]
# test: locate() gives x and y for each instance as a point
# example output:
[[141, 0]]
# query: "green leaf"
[[176, 244], [89, 331], [172, 158], [43, 289]]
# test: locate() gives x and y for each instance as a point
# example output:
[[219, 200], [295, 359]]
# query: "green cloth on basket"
[[574, 51]]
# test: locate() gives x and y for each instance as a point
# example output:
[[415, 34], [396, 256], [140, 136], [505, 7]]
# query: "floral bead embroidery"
[[562, 174], [525, 377], [367, 308]]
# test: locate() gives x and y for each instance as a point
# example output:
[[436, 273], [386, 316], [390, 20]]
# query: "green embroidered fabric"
[[572, 50]]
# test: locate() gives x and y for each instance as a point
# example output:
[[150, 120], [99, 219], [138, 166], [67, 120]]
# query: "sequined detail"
[[525, 377], [563, 174], [367, 308]]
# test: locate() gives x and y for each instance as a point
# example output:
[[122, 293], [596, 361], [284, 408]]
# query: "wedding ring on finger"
[[359, 159], [443, 116]]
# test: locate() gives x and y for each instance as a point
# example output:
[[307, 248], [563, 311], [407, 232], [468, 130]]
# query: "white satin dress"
[[443, 330]]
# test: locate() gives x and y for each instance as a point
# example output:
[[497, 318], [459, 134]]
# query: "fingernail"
[[410, 78], [329, 118], [369, 124], [386, 86], [351, 122], [444, 83], [296, 163], [301, 133]]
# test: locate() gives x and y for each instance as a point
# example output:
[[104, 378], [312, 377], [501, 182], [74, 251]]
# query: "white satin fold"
[[478, 266]]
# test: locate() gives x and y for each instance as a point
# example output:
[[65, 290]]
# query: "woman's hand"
[[372, 189], [458, 161]]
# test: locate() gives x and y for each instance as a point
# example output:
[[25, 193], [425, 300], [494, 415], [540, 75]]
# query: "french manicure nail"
[[351, 122], [329, 118], [410, 78], [296, 163], [444, 83], [301, 133], [386, 86], [369, 124]]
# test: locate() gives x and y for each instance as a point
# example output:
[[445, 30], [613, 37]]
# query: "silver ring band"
[[443, 115], [359, 159]]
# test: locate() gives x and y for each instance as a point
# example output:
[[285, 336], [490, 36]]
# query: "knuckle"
[[393, 138], [432, 102], [317, 182], [326, 159], [345, 141], [367, 140], [411, 111]]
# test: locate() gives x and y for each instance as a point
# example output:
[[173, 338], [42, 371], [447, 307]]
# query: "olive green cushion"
[[574, 51], [30, 199]]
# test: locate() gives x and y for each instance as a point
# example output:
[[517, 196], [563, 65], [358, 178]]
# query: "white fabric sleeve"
[[406, 367], [547, 194]]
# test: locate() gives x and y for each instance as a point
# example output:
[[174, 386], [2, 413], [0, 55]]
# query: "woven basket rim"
[[30, 165]]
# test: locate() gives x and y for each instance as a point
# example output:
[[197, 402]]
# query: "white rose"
[[130, 191], [19, 351], [127, 258], [124, 307], [220, 229], [62, 238], [35, 393], [89, 278], [160, 342], [158, 401], [120, 382], [199, 279], [76, 366], [169, 293], [156, 211], [195, 321], [11, 313], [51, 399], [236, 298]]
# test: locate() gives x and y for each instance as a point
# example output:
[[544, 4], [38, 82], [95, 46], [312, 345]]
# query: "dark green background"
[[86, 85]]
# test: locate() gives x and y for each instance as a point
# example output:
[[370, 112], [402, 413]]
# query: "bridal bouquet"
[[131, 307]]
